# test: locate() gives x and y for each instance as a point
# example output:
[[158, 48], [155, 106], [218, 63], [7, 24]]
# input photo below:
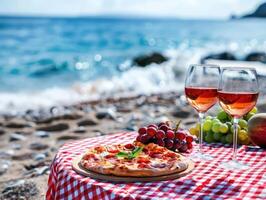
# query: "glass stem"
[[235, 126], [201, 120]]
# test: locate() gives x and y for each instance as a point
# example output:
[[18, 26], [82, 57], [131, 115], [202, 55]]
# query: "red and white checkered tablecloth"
[[207, 180]]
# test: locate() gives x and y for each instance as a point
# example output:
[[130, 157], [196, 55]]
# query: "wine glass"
[[238, 93], [201, 87]]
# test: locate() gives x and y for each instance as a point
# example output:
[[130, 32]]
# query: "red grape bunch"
[[163, 135]]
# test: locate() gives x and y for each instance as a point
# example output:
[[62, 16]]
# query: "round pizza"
[[133, 160]]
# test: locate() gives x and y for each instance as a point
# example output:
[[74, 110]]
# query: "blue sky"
[[150, 8]]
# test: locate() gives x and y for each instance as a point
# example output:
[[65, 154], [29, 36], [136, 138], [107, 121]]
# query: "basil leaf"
[[136, 152], [122, 154]]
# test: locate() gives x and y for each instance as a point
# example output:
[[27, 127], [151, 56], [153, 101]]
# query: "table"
[[207, 181]]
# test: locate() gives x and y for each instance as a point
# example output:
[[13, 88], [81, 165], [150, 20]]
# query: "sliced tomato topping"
[[143, 165], [113, 150], [145, 150], [170, 154], [143, 160], [99, 149], [89, 156], [129, 146]]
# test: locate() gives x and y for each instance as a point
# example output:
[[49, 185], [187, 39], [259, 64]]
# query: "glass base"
[[198, 156], [234, 165]]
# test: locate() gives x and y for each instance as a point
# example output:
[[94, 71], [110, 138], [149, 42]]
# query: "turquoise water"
[[39, 53]]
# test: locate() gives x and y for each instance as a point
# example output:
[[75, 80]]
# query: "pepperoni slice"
[[109, 156], [113, 150], [170, 154], [89, 156], [99, 149], [155, 155]]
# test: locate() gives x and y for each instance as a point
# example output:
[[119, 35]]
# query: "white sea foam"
[[168, 76]]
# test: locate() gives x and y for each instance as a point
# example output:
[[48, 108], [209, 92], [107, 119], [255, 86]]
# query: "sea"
[[60, 61]]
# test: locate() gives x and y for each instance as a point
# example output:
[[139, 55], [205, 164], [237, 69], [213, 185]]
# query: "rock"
[[4, 164], [54, 127], [37, 171], [19, 189], [80, 129], [256, 56], [259, 12], [219, 56], [16, 123], [42, 134], [181, 113], [145, 60], [38, 146], [106, 114], [67, 137], [2, 131], [16, 146], [88, 122], [22, 156], [72, 116], [39, 157], [7, 154], [16, 137]]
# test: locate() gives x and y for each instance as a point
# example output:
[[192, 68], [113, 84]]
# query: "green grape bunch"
[[219, 129]]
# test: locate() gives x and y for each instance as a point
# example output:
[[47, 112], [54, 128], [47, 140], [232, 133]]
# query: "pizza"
[[133, 160]]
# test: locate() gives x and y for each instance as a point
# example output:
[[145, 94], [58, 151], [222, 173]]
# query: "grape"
[[170, 134], [242, 135], [217, 136], [164, 128], [160, 134], [160, 142], [229, 138], [177, 144], [189, 145], [180, 136], [169, 143], [209, 118], [138, 138], [223, 139], [223, 128], [193, 131], [160, 124], [183, 148], [209, 138], [216, 127], [151, 131], [142, 130], [197, 127], [207, 125], [222, 116], [189, 139], [215, 120], [243, 123], [153, 125], [229, 124], [232, 129], [254, 110], [249, 115], [144, 138]]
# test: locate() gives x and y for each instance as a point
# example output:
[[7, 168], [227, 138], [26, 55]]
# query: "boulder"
[[144, 60], [219, 56], [256, 56]]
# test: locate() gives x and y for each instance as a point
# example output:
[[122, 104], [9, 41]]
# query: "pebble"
[[181, 113], [106, 114], [16, 137], [88, 122], [54, 127], [17, 124], [72, 116], [67, 137], [16, 146], [22, 156], [38, 146], [39, 157], [2, 131], [37, 171], [19, 189], [80, 129], [4, 164], [42, 134], [6, 154]]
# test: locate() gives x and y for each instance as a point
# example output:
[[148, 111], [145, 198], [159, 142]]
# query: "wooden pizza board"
[[80, 170]]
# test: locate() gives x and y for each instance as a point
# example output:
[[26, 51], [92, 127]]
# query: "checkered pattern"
[[207, 181]]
